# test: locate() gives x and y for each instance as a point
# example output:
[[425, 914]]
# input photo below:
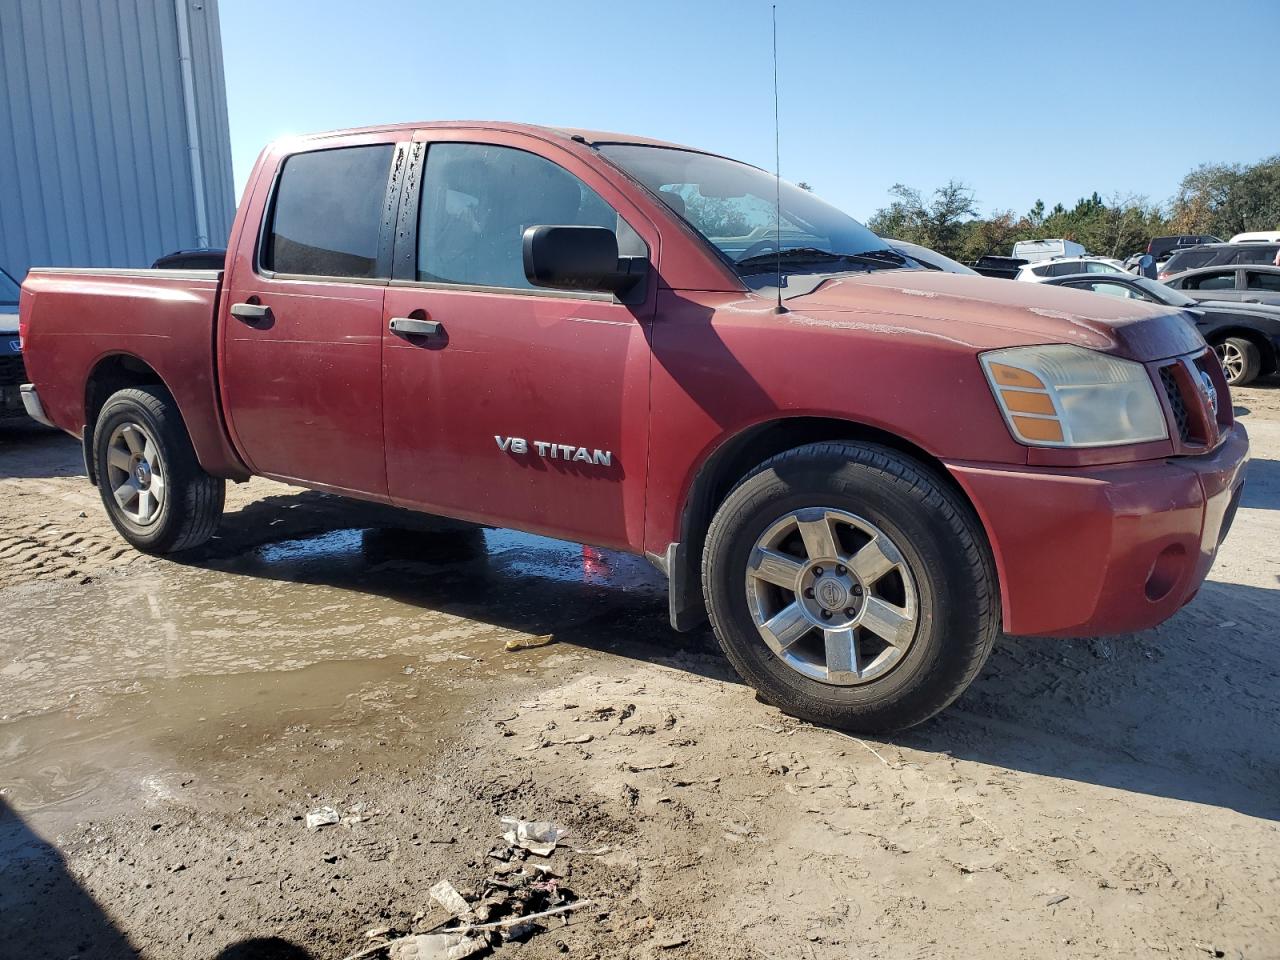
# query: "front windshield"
[[1164, 294], [8, 290], [733, 206]]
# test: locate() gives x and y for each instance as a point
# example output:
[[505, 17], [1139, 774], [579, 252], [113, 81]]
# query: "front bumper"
[[1103, 550]]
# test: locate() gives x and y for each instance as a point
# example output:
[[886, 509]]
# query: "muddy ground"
[[166, 726]]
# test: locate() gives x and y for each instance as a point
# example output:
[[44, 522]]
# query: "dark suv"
[[1162, 247], [1218, 255]]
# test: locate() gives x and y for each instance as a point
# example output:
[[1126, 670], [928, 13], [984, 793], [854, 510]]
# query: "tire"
[[140, 439], [939, 590], [1241, 360]]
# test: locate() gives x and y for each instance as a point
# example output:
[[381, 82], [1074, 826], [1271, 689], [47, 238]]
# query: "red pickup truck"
[[861, 469]]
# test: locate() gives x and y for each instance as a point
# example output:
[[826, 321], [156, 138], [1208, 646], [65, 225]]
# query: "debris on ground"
[[444, 894], [507, 907], [436, 946], [538, 837], [529, 643], [322, 817]]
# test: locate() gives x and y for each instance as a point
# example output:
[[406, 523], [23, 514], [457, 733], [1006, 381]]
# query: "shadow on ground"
[[44, 912]]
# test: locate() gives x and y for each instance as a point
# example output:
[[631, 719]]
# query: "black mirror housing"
[[578, 258]]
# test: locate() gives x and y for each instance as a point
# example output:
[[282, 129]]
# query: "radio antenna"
[[777, 167]]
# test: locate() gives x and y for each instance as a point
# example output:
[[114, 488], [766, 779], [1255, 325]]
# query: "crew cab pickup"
[[861, 470]]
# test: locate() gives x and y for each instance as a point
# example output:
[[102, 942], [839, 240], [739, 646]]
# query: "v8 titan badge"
[[555, 451]]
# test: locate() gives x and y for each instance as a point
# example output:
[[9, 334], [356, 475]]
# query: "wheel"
[[1241, 360], [154, 489], [850, 587]]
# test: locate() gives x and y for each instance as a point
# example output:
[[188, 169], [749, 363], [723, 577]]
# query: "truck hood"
[[987, 313]]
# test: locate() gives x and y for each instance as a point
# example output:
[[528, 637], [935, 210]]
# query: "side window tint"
[[327, 212], [1262, 281], [1225, 280], [477, 201], [1114, 290]]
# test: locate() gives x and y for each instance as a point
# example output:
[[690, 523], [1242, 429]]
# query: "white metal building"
[[114, 148]]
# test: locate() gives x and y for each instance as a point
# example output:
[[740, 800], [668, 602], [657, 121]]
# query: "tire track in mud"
[[46, 550]]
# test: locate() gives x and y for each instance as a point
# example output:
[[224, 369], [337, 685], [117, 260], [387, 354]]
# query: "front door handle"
[[409, 327], [251, 312]]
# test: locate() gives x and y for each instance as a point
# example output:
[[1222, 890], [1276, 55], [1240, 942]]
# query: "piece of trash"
[[519, 932], [409, 671], [1054, 901], [568, 742], [537, 836], [1228, 623], [672, 943], [529, 643], [642, 767], [375, 932], [444, 894], [596, 852], [436, 946], [322, 817]]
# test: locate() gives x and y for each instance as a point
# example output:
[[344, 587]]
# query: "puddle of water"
[[156, 736], [114, 693]]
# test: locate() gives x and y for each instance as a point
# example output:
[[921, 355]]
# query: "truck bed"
[[84, 323]]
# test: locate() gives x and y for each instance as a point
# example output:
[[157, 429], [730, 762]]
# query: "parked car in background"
[[1039, 272], [1256, 284], [1218, 255], [12, 373], [201, 258], [1006, 268], [512, 325], [1035, 250], [1246, 336], [930, 259], [1257, 236], [1164, 247]]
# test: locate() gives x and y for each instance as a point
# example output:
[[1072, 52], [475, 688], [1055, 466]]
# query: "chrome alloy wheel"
[[832, 596], [135, 473], [1233, 362]]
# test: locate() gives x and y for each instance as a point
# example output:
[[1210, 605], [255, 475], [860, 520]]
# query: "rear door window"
[[1260, 280], [327, 214], [1255, 253]]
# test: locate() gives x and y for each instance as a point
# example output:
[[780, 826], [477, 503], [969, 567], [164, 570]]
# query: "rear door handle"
[[409, 327], [251, 312]]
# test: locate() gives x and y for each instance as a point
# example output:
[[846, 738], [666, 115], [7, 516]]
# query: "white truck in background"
[[1033, 251]]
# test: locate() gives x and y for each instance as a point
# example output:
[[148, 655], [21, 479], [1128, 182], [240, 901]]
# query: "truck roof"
[[590, 137]]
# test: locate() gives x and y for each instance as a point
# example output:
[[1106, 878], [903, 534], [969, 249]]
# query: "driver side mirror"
[[1147, 266], [579, 258]]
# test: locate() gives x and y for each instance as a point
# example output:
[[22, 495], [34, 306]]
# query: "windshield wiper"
[[796, 255]]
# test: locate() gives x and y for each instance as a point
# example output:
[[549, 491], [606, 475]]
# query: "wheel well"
[[109, 375], [1259, 340], [739, 456]]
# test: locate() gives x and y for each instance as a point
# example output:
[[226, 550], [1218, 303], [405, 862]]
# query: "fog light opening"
[[1165, 571]]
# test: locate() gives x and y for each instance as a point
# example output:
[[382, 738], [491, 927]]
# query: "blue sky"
[[1019, 100]]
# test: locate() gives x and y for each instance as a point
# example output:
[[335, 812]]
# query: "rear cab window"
[[326, 214]]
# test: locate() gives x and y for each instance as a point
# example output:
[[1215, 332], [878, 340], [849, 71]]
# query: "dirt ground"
[[166, 726]]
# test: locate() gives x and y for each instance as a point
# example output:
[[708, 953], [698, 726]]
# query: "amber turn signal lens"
[[1008, 376], [1033, 429], [1020, 401]]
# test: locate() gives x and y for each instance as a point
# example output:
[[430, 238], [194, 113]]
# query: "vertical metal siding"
[[94, 162]]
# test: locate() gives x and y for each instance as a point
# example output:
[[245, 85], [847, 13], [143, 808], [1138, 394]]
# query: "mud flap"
[[86, 450], [685, 605]]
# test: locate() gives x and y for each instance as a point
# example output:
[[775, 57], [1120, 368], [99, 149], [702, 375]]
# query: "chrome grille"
[[1177, 404]]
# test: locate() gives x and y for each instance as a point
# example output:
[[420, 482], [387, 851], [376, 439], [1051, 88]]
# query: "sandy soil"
[[165, 727]]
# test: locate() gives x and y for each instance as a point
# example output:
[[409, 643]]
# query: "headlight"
[[1066, 396]]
